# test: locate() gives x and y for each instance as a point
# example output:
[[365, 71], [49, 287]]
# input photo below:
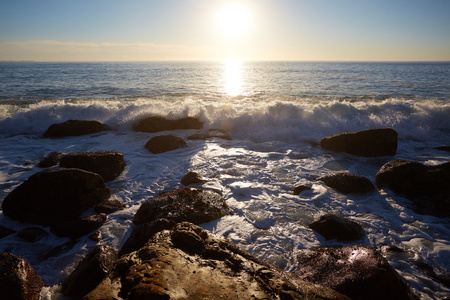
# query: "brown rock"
[[75, 229], [192, 178], [339, 228], [50, 160], [55, 195], [109, 206], [157, 123], [164, 143], [75, 128], [18, 280], [371, 143], [347, 183], [298, 189]]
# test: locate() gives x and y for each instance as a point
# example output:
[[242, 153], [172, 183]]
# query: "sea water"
[[276, 114]]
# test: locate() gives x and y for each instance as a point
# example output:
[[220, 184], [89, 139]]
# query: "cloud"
[[47, 50]]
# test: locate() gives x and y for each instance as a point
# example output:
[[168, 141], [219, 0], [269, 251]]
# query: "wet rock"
[[189, 263], [427, 186], [18, 280], [347, 183], [192, 178], [298, 189], [61, 249], [212, 133], [109, 206], [32, 234], [443, 148], [157, 123], [333, 227], [391, 249], [164, 143], [107, 290], [370, 143], [55, 195], [358, 272], [90, 271], [96, 236], [187, 204], [108, 164], [50, 160], [75, 229], [75, 128], [5, 231]]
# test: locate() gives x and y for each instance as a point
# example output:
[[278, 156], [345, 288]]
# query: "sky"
[[146, 30]]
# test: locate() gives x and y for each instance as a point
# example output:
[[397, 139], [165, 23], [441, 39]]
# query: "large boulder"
[[427, 186], [75, 128], [108, 164], [371, 143], [347, 183], [90, 271], [339, 228], [55, 195], [158, 123], [187, 204], [358, 272], [164, 143], [75, 229], [18, 280]]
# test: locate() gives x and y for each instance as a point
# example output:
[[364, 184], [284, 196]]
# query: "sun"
[[234, 20]]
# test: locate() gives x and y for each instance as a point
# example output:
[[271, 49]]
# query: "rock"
[[32, 234], [212, 133], [347, 183], [50, 160], [187, 204], [18, 280], [189, 263], [61, 249], [371, 143], [75, 128], [358, 272], [109, 206], [55, 195], [298, 189], [157, 123], [334, 227], [427, 186], [90, 271], [5, 231], [443, 148], [192, 178], [108, 164], [75, 229], [96, 236], [107, 290], [164, 143]]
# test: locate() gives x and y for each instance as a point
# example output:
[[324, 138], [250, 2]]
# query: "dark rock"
[[61, 249], [109, 206], [189, 263], [192, 178], [96, 236], [5, 231], [90, 271], [298, 189], [334, 227], [32, 234], [347, 183], [387, 249], [164, 143], [75, 128], [371, 143], [212, 133], [443, 148], [157, 123], [187, 204], [427, 186], [75, 229], [50, 160], [108, 164], [18, 280], [358, 272], [55, 195]]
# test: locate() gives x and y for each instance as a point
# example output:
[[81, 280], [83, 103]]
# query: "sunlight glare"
[[232, 76], [234, 20]]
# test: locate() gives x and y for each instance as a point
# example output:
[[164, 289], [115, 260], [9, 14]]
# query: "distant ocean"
[[276, 113]]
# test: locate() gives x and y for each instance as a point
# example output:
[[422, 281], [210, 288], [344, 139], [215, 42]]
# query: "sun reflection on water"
[[232, 77]]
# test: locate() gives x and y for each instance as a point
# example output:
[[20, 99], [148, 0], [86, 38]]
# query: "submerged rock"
[[109, 206], [32, 234], [75, 128], [347, 183], [427, 186], [192, 178], [75, 229], [158, 123], [187, 204], [50, 160], [55, 195], [5, 231], [298, 189], [18, 280], [443, 148], [339, 228], [164, 143], [371, 143], [358, 272], [212, 133], [108, 164]]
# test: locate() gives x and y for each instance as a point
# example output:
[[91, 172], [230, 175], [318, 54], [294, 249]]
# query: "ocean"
[[276, 114]]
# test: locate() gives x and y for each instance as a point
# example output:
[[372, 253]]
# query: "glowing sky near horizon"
[[138, 30]]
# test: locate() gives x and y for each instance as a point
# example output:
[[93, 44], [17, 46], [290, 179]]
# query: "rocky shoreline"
[[168, 256]]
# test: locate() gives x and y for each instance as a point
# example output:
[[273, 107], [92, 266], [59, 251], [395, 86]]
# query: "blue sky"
[[113, 30]]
